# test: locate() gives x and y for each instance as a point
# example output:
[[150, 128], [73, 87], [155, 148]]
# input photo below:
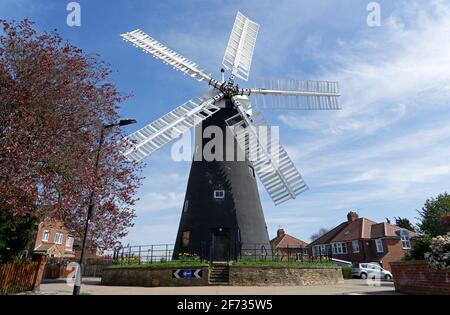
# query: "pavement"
[[92, 286]]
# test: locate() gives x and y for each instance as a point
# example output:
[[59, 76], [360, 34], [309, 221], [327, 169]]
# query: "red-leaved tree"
[[53, 103]]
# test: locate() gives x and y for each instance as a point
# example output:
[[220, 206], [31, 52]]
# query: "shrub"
[[347, 272], [420, 247], [187, 257], [439, 255]]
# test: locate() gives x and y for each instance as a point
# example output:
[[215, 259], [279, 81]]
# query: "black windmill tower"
[[222, 216]]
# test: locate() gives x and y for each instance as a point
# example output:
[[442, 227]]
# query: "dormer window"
[[406, 239]]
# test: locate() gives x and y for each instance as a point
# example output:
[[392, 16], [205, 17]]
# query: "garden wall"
[[415, 277], [284, 276], [238, 276], [150, 277]]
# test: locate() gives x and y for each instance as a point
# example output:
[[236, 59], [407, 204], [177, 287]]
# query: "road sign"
[[187, 274]]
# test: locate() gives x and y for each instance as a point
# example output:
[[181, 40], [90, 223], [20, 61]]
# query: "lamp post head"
[[127, 122], [121, 123]]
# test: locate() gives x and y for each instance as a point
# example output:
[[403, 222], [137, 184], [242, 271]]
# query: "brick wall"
[[416, 278]]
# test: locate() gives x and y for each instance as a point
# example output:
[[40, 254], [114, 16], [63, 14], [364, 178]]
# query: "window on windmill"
[[219, 194], [185, 238], [251, 170], [186, 205]]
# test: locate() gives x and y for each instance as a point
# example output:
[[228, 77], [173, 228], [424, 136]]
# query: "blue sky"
[[382, 155]]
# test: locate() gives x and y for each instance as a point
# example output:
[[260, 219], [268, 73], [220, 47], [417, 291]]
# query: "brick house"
[[287, 247], [362, 240], [53, 240], [90, 252]]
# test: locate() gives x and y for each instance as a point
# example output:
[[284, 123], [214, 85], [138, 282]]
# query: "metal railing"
[[262, 252], [160, 253], [143, 254]]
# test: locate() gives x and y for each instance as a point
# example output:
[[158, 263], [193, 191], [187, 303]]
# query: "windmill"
[[222, 213]]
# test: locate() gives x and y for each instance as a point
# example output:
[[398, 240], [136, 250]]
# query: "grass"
[[274, 263], [169, 264]]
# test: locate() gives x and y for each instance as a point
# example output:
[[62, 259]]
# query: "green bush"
[[347, 272], [420, 247]]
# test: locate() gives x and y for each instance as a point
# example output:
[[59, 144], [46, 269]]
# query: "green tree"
[[431, 223], [420, 247], [16, 233], [404, 223]]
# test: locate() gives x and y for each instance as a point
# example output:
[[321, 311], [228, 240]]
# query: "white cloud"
[[390, 144]]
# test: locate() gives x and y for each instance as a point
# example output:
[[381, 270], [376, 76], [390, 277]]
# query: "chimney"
[[280, 233], [352, 216]]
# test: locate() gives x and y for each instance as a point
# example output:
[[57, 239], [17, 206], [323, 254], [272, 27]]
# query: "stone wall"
[[415, 277], [239, 276], [150, 277], [284, 276]]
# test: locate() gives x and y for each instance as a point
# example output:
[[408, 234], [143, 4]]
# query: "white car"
[[366, 270]]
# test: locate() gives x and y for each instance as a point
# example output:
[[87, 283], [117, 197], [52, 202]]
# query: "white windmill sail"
[[150, 45], [274, 167], [239, 53], [154, 136], [271, 163], [295, 94]]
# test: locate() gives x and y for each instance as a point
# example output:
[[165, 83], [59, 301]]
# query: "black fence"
[[262, 252], [143, 254], [160, 253]]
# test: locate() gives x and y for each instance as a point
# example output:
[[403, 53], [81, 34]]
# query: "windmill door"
[[221, 246]]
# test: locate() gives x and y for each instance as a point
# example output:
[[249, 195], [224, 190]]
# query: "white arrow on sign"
[[176, 273], [197, 273]]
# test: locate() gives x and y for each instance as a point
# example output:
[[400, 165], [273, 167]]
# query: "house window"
[[379, 244], [219, 194], [185, 238], [69, 242], [339, 248], [45, 236], [323, 250], [58, 238], [406, 240], [355, 246], [319, 250]]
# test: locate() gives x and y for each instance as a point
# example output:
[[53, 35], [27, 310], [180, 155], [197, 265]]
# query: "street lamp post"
[[79, 274]]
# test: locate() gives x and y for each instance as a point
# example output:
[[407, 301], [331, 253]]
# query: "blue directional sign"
[[187, 274]]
